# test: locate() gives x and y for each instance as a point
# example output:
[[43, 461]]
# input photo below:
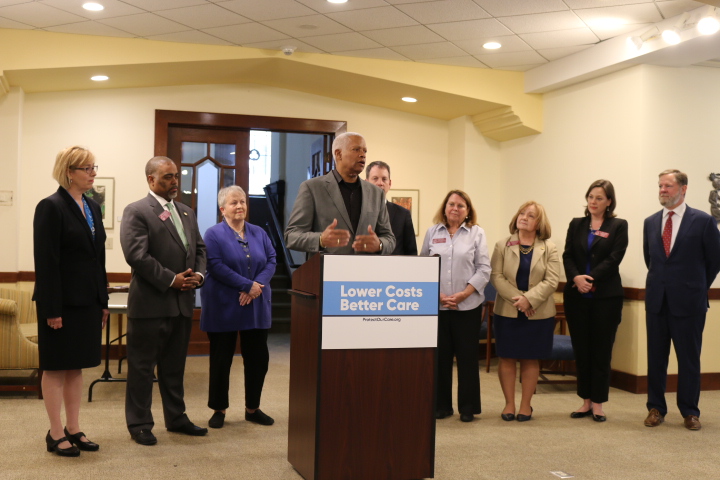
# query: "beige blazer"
[[544, 276]]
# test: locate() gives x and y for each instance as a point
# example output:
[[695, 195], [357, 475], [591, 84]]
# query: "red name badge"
[[511, 243], [439, 240], [164, 215], [602, 234]]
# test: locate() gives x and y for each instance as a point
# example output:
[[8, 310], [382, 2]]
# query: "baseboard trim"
[[638, 383]]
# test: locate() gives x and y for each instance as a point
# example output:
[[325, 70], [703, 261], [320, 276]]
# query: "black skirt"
[[74, 346], [522, 338]]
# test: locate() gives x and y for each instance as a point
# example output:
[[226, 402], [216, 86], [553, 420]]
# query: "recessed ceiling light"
[[409, 99], [492, 45], [99, 78], [93, 7], [337, 1]]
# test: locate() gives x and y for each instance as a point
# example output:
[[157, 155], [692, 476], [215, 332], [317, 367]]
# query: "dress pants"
[[459, 336], [253, 345], [161, 342], [593, 324], [686, 335]]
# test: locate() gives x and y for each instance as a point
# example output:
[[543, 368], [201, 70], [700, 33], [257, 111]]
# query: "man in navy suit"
[[378, 173], [682, 253]]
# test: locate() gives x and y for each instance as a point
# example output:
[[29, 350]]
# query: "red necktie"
[[667, 234]]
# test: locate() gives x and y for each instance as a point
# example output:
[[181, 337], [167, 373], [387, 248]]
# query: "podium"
[[363, 367]]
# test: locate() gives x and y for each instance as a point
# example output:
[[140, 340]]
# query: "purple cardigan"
[[227, 275]]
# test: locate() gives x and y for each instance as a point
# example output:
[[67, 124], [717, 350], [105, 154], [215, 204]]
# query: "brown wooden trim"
[[638, 383], [26, 276], [118, 277], [14, 277], [8, 277]]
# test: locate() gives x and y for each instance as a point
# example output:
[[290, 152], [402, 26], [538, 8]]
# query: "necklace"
[[525, 250]]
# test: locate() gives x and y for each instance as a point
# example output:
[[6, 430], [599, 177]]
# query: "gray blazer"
[[319, 201], [154, 251]]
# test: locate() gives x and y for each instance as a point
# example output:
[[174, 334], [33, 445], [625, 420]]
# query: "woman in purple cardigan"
[[236, 300]]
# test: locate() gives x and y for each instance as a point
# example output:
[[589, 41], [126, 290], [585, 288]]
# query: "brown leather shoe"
[[692, 422], [654, 418]]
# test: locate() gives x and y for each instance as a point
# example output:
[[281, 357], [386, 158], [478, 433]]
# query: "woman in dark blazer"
[[236, 300], [593, 295], [70, 293]]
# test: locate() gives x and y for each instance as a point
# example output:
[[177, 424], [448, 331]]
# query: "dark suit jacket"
[[69, 264], [605, 256], [154, 251], [319, 201], [684, 277], [402, 227]]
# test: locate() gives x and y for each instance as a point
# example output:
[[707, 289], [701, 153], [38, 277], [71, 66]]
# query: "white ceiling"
[[449, 32]]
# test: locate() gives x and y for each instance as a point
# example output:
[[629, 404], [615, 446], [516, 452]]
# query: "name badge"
[[439, 240], [513, 242], [164, 215], [602, 234]]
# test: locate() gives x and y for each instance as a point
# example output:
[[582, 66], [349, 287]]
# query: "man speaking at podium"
[[338, 213]]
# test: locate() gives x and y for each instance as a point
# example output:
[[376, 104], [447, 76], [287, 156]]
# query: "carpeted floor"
[[489, 448]]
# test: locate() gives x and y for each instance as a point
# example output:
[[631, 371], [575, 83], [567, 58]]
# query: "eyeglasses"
[[88, 170]]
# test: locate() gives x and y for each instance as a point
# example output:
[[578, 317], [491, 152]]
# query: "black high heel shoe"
[[52, 446], [75, 440]]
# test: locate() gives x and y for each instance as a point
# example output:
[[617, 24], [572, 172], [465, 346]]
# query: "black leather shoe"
[[190, 429], [524, 418], [75, 440], [259, 417], [440, 414], [599, 418], [52, 446], [508, 417], [467, 417], [217, 420], [144, 437], [581, 414]]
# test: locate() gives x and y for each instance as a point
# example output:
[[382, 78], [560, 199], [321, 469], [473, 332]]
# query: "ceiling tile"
[[312, 25], [38, 15], [246, 33], [113, 8], [560, 38], [323, 6], [280, 44], [7, 23], [401, 2], [676, 7], [192, 36], [203, 16], [502, 8], [543, 22], [495, 60], [341, 42], [555, 53], [604, 33], [430, 50], [153, 5], [510, 43], [576, 4], [373, 18], [466, 61], [145, 24], [444, 11], [381, 53], [5, 3], [391, 37], [520, 68], [618, 16], [260, 10], [89, 28], [471, 29]]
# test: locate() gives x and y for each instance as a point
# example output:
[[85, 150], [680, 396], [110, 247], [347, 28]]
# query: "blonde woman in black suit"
[[70, 293], [593, 295]]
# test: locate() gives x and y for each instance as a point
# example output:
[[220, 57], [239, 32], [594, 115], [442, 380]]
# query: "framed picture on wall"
[[409, 199], [103, 192]]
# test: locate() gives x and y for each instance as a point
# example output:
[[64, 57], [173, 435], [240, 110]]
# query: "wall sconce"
[[672, 35], [638, 41]]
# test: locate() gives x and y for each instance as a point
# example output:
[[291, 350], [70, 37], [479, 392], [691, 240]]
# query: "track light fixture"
[[638, 41], [672, 35], [709, 22]]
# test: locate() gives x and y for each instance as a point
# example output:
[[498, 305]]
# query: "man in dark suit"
[[337, 213], [162, 244], [378, 173], [682, 253]]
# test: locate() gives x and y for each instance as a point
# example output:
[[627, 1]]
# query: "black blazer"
[[605, 256], [402, 227], [684, 277], [69, 264]]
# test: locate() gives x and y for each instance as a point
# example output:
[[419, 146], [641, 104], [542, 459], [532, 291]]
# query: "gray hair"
[[224, 192], [151, 167], [680, 177], [342, 140]]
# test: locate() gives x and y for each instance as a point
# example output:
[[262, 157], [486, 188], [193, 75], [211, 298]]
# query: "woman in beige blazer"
[[525, 272]]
